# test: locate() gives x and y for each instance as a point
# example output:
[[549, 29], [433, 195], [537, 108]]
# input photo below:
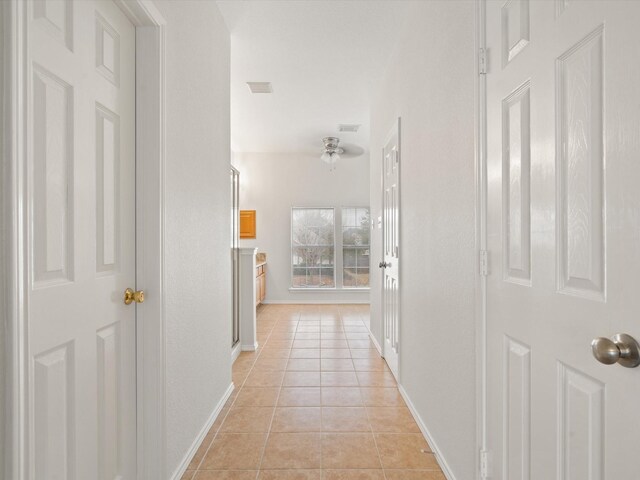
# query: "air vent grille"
[[345, 127], [260, 87]]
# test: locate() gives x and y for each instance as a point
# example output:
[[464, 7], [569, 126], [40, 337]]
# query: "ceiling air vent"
[[260, 87], [348, 127]]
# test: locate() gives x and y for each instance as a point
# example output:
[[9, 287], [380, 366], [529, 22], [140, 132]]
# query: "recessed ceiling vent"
[[345, 127], [260, 87]]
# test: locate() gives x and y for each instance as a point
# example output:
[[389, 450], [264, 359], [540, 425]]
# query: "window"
[[355, 247], [313, 248]]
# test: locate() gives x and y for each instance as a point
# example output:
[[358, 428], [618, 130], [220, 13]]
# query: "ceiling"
[[324, 59]]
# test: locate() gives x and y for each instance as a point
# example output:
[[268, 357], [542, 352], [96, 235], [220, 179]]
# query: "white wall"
[[198, 287], [271, 184], [430, 84]]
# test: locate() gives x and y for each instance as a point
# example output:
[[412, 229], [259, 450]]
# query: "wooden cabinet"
[[247, 224], [261, 283]]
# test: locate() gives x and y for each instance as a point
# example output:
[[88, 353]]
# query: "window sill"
[[330, 290]]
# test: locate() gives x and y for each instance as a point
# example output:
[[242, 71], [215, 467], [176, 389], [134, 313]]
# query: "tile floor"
[[315, 402]]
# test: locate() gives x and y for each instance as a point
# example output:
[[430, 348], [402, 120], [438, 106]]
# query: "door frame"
[[150, 158], [483, 456], [397, 128]]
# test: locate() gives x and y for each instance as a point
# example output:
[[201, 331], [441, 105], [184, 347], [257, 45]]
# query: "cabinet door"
[[258, 290], [263, 286]]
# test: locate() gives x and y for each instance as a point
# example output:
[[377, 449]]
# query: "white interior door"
[[81, 373], [563, 235], [391, 247]]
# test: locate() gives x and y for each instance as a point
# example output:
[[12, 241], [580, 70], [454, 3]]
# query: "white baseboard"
[[427, 436], [249, 348], [235, 352], [375, 343], [177, 475]]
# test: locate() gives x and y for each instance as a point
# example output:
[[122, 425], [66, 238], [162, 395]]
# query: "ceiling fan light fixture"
[[331, 152]]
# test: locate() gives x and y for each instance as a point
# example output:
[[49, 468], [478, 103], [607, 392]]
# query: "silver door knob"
[[621, 348]]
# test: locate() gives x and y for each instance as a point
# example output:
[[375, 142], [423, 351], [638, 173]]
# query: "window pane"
[[326, 279], [355, 247], [312, 258], [349, 257]]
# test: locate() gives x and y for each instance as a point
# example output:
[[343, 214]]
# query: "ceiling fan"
[[331, 152]]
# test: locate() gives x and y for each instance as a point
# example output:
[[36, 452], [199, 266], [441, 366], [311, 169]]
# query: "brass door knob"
[[131, 296]]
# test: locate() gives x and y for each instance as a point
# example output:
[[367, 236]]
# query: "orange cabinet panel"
[[247, 224]]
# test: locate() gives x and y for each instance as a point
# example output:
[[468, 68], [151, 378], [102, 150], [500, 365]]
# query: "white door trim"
[[150, 111], [481, 244]]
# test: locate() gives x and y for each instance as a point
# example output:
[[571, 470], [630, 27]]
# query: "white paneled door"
[[391, 247], [563, 120], [81, 386]]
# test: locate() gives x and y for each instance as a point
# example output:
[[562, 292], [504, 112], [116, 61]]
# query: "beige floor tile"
[[304, 365], [334, 344], [257, 397], [264, 379], [349, 450], [286, 328], [202, 450], [290, 475], [357, 336], [376, 379], [302, 379], [306, 344], [370, 365], [307, 336], [270, 364], [356, 328], [381, 397], [336, 365], [338, 379], [282, 335], [278, 344], [335, 353], [296, 419], [361, 344], [188, 474], [364, 353], [292, 450], [405, 451], [332, 336], [414, 475], [239, 378], [308, 328], [392, 419], [353, 475], [218, 421], [341, 397], [226, 475], [305, 353], [247, 420], [299, 397], [331, 328], [235, 451], [345, 419], [275, 353]]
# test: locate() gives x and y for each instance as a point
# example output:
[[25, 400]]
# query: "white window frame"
[[338, 263]]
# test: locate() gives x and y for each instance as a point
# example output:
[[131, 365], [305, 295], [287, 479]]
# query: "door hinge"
[[484, 263], [485, 464], [482, 61]]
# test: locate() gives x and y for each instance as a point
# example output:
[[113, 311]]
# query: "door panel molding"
[[150, 108]]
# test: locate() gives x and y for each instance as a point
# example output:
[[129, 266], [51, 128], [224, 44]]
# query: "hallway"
[[315, 402]]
